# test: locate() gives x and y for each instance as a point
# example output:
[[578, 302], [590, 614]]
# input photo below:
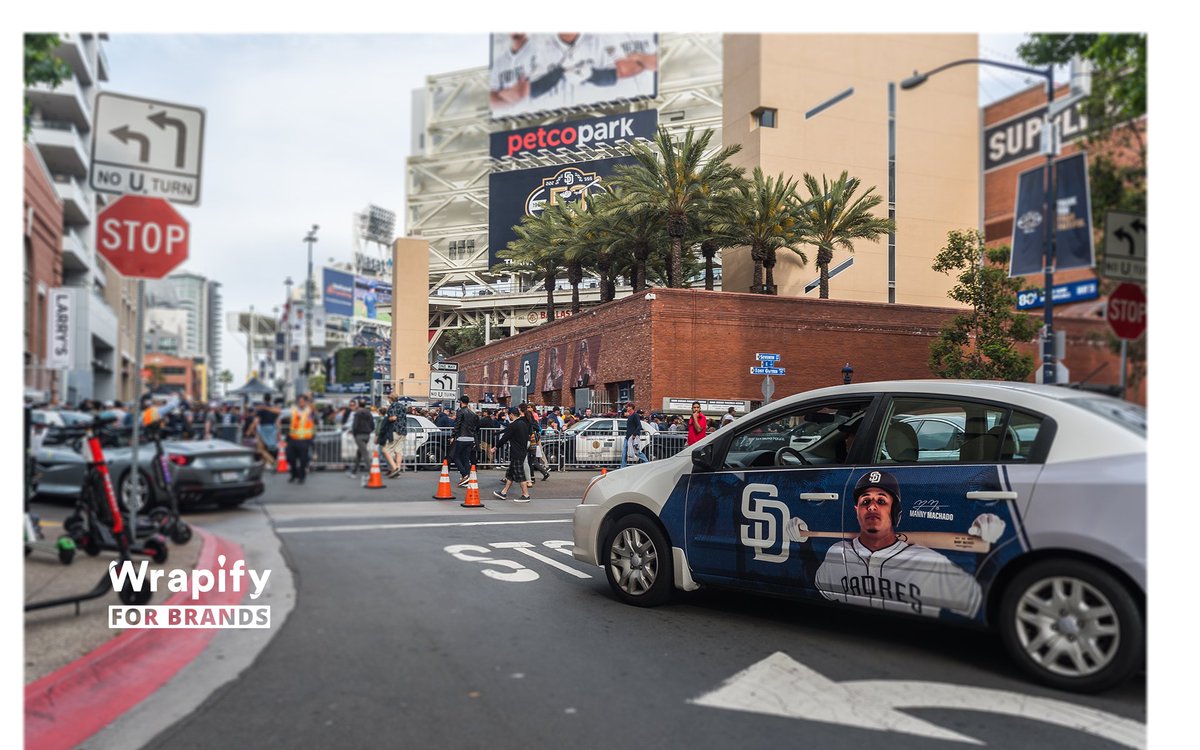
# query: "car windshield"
[[1130, 416]]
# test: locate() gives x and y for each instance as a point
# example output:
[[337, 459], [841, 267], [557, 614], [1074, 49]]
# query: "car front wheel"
[[1072, 626], [637, 561]]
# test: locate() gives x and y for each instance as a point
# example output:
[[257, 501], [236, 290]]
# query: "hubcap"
[[128, 497], [634, 561], [1067, 626]]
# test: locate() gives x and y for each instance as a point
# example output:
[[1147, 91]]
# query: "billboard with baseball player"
[[514, 195], [535, 73]]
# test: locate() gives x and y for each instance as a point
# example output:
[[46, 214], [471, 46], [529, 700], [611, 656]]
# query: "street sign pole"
[[135, 476]]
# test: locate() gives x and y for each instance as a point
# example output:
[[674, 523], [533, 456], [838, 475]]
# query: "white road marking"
[[520, 573], [389, 526], [781, 686], [525, 548], [560, 545]]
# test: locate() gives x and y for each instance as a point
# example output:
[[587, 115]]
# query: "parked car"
[[205, 472], [423, 443], [1031, 521], [593, 441]]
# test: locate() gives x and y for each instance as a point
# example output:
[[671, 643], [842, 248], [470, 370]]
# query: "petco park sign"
[[573, 136]]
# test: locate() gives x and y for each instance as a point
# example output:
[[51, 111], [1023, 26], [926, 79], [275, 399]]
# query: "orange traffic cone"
[[443, 489], [603, 471], [281, 464], [472, 500], [375, 478]]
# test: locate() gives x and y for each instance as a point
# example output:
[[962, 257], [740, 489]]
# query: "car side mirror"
[[702, 458]]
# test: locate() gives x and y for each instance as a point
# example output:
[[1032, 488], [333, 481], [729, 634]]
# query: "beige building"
[[824, 103]]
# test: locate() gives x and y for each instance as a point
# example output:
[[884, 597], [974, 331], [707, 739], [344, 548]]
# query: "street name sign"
[[1125, 246], [147, 147], [768, 371], [767, 357], [143, 238]]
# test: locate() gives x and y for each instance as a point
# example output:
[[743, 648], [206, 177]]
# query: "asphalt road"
[[422, 623]]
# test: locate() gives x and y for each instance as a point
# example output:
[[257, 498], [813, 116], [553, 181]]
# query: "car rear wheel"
[[145, 496], [1072, 626], [637, 561]]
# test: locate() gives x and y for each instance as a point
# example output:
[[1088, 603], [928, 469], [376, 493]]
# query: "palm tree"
[[539, 248], [671, 183], [632, 236], [767, 218], [835, 218]]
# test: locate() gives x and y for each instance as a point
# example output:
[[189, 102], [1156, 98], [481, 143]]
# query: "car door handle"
[[988, 495], [818, 496]]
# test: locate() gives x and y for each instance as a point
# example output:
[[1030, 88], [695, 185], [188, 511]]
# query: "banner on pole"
[[1073, 246]]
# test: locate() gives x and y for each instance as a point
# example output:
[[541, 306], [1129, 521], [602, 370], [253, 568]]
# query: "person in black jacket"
[[466, 429], [361, 426], [516, 434]]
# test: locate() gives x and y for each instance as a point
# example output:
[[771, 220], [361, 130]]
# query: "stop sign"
[[141, 237], [1127, 311]]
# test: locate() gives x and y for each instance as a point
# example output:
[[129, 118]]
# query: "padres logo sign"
[[569, 185]]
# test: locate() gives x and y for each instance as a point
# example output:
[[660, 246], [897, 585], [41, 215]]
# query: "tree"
[[225, 378], [316, 384], [633, 237], [671, 183], [767, 218], [458, 340], [41, 66], [539, 247], [981, 344], [835, 218], [1118, 97]]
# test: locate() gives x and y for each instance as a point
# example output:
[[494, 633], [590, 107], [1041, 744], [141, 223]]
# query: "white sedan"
[[1031, 522]]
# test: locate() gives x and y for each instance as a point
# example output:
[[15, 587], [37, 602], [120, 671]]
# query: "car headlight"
[[591, 484]]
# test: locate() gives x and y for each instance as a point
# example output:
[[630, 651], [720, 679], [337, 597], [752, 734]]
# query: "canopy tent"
[[253, 387]]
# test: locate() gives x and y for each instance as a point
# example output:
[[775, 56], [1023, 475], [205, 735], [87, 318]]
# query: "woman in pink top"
[[697, 424]]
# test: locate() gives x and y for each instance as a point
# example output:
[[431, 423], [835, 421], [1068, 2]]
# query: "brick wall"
[[43, 214], [696, 344]]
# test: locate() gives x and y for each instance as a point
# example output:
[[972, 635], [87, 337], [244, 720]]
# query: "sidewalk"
[[81, 675]]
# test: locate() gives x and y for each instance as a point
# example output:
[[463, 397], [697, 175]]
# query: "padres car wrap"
[[1005, 505]]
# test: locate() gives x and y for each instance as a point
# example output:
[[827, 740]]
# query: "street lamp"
[[309, 238], [287, 328], [250, 344], [1049, 195], [847, 373]]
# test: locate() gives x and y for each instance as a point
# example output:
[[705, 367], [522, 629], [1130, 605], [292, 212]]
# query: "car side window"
[[927, 430], [809, 434]]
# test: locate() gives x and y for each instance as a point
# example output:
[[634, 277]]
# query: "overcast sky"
[[306, 129]]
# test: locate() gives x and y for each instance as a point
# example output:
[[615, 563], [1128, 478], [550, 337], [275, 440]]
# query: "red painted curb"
[[65, 708]]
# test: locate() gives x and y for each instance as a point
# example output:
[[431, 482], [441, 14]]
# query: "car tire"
[[125, 487], [637, 561], [1072, 626]]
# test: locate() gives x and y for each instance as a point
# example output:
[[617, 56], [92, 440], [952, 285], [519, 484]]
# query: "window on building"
[[766, 117]]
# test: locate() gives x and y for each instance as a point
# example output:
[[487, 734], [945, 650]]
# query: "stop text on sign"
[[143, 238], [134, 236]]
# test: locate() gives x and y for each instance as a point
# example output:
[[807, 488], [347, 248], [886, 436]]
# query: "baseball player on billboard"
[[513, 62], [579, 67], [880, 569]]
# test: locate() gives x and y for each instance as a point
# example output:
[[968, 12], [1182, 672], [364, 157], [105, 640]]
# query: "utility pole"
[[309, 238]]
